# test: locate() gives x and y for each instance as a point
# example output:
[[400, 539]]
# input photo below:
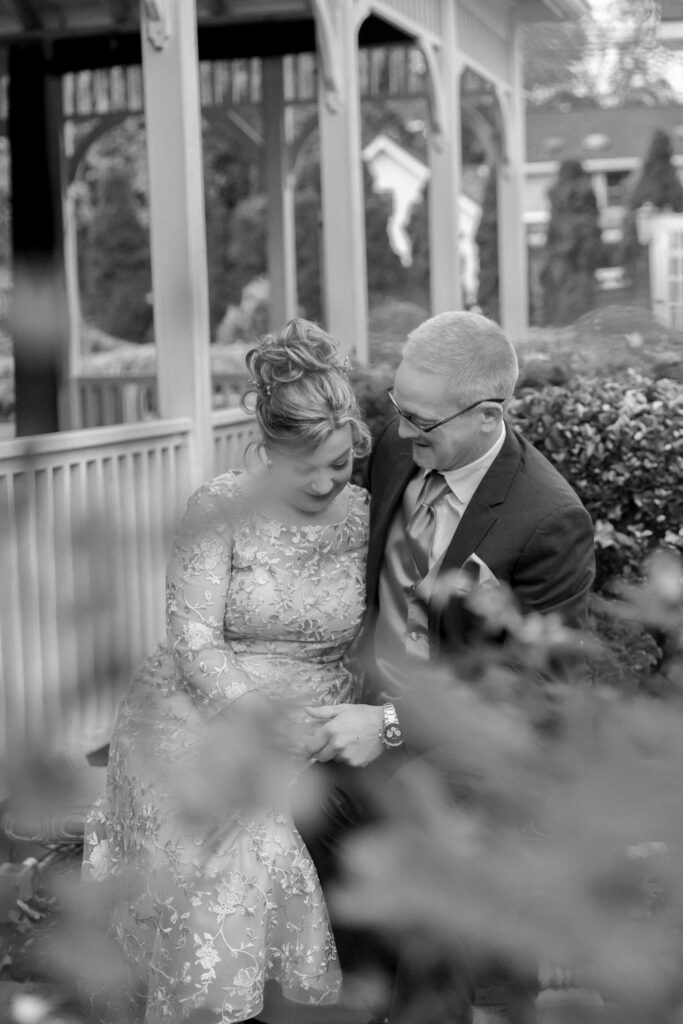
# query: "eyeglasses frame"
[[439, 423]]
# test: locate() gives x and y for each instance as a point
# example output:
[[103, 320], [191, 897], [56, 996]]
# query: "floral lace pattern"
[[210, 911]]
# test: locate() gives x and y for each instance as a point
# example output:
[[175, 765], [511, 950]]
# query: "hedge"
[[620, 445]]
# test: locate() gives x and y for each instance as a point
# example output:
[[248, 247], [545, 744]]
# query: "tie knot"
[[434, 488]]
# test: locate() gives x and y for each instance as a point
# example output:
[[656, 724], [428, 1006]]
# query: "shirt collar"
[[464, 481]]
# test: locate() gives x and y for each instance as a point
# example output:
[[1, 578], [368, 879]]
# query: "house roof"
[[617, 133], [671, 10]]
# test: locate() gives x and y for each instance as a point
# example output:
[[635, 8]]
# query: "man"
[[453, 486]]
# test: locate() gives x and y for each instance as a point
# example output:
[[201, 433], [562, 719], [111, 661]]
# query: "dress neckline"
[[300, 527]]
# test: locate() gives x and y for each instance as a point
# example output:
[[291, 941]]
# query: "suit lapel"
[[386, 494], [483, 510]]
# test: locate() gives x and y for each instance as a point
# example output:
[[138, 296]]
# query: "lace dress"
[[213, 907]]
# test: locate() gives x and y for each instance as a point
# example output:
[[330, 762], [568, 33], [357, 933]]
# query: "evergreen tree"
[[488, 293], [118, 275], [573, 248], [658, 183], [227, 182]]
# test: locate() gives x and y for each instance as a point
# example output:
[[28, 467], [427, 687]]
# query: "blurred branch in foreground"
[[541, 826]]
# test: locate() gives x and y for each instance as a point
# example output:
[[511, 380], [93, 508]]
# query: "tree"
[[118, 274], [488, 293], [609, 59], [573, 248], [658, 183], [625, 61], [553, 56], [228, 180]]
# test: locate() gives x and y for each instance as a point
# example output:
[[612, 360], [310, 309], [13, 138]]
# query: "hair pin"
[[263, 389]]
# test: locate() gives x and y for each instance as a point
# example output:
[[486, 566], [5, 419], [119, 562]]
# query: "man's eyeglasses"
[[426, 428]]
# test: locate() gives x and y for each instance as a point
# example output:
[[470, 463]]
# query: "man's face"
[[424, 396]]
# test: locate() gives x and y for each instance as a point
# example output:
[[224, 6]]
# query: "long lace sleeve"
[[197, 580]]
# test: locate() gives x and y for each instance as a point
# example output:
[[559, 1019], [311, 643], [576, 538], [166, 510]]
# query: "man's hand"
[[346, 732]]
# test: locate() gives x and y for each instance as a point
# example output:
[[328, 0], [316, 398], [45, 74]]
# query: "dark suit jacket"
[[524, 521]]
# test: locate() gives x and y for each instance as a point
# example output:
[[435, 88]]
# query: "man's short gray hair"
[[469, 352]]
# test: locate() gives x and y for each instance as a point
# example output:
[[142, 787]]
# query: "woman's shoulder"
[[217, 499], [226, 485]]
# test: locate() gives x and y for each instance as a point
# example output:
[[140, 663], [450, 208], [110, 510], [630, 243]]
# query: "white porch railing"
[[233, 431], [102, 401], [85, 522]]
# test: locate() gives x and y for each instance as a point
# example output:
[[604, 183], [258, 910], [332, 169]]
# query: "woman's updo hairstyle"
[[299, 389]]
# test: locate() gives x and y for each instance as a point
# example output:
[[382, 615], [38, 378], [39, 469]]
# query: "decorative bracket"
[[329, 56], [158, 22], [437, 117]]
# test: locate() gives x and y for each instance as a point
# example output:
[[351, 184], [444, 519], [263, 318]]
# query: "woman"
[[265, 593]]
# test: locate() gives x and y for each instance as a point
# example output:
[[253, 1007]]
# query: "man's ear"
[[491, 417]]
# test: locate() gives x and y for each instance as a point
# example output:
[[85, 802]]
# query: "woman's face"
[[310, 481]]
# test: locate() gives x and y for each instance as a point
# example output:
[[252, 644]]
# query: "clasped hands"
[[344, 732]]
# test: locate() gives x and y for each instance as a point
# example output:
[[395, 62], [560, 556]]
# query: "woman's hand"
[[346, 732]]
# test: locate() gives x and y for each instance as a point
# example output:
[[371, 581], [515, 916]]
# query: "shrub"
[[573, 248], [389, 324], [658, 183], [620, 445], [117, 277]]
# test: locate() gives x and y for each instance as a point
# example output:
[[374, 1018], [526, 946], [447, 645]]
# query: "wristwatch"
[[390, 734]]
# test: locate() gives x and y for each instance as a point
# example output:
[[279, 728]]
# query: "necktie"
[[422, 523]]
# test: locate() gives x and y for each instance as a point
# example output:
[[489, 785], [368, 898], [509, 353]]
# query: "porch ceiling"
[[553, 10], [100, 33]]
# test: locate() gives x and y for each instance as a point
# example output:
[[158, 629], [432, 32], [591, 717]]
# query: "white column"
[[70, 409], [445, 160], [279, 181], [512, 245], [344, 271], [178, 236]]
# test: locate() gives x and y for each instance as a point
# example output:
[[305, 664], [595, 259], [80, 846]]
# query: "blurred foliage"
[[605, 342], [573, 248], [539, 827]]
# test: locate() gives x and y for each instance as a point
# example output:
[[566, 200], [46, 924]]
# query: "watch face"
[[392, 735]]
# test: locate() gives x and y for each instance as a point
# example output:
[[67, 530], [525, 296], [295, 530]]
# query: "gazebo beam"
[[177, 228], [344, 264], [40, 321], [281, 241], [446, 166], [30, 17]]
